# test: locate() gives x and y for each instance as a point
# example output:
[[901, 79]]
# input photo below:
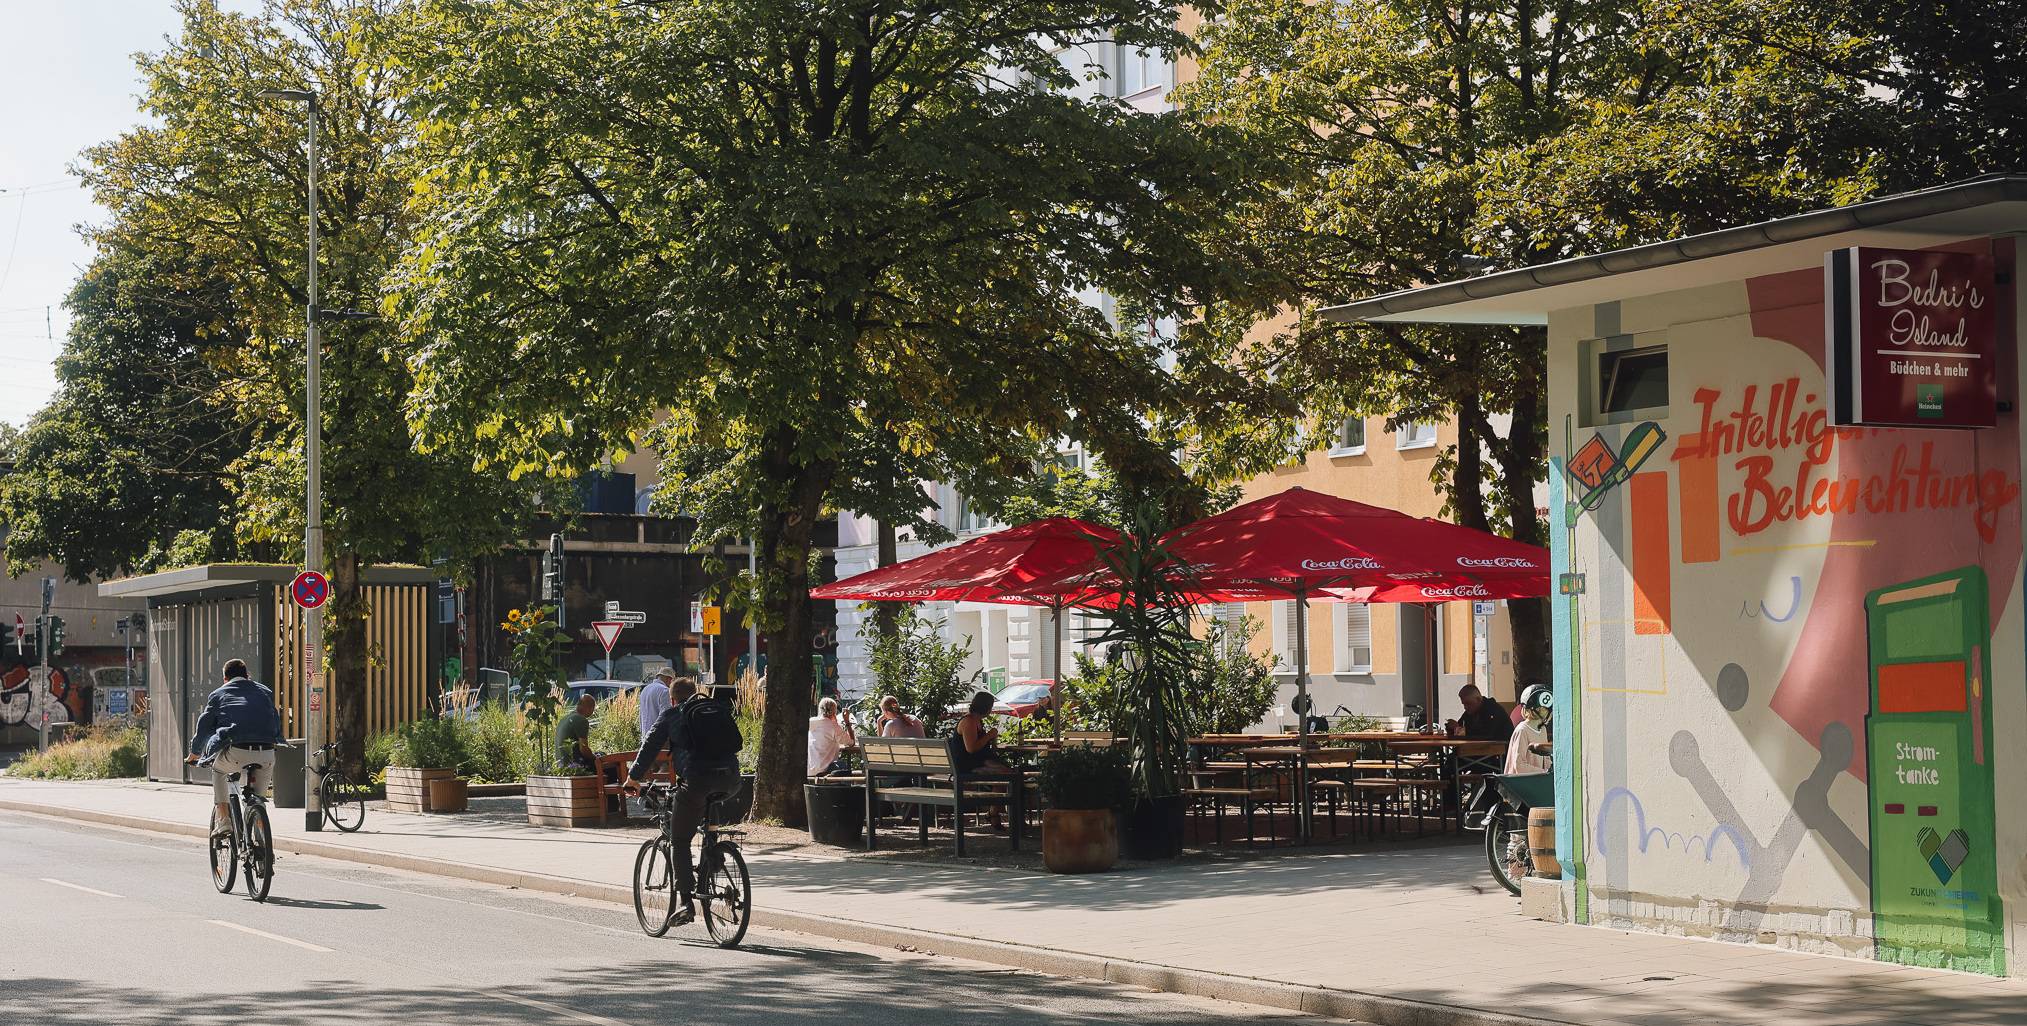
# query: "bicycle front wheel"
[[224, 855], [259, 853], [654, 886], [344, 805], [727, 894]]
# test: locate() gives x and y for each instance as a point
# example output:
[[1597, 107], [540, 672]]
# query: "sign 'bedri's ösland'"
[[1913, 338]]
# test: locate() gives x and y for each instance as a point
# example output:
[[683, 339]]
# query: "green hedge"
[[89, 753]]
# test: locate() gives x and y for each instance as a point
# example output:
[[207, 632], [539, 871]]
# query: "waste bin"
[[288, 775]]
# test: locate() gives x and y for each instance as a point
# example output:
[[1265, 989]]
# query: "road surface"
[[102, 926]]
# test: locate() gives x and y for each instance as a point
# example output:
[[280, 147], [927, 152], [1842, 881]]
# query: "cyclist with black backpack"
[[702, 737]]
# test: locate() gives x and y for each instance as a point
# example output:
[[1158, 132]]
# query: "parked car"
[[1019, 699], [602, 690]]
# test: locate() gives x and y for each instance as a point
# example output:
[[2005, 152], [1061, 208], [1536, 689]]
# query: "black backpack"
[[712, 729]]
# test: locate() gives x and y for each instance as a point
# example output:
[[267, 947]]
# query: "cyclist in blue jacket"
[[237, 733]]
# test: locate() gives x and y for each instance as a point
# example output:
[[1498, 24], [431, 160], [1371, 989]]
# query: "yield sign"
[[608, 632]]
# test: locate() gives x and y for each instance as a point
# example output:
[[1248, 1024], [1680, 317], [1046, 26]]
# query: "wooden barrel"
[[1541, 843]]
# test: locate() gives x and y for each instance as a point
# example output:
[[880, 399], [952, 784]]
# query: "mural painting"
[[1781, 636], [24, 695]]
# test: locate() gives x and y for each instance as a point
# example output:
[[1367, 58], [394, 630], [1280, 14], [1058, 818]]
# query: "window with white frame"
[[1229, 616], [1141, 69], [970, 518], [1415, 434], [1354, 637], [1350, 440], [1284, 636]]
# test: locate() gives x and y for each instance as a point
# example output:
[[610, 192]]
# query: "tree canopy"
[[852, 243]]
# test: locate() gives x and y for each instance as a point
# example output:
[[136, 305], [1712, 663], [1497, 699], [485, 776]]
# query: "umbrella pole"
[[1302, 707], [1056, 670]]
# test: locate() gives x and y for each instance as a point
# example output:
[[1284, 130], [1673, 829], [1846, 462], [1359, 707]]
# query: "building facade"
[[1791, 669]]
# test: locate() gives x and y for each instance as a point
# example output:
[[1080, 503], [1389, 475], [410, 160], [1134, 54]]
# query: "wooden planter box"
[[448, 795], [565, 802], [408, 788]]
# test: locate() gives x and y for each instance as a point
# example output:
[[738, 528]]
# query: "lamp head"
[[287, 94]]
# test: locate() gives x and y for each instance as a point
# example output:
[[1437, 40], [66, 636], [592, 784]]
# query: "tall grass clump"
[[89, 753]]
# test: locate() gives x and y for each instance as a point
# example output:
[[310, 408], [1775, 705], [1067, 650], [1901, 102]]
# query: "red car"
[[1022, 699]]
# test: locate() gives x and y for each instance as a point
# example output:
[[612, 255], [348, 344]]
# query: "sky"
[[67, 81]]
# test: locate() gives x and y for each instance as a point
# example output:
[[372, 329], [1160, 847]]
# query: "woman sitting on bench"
[[971, 747]]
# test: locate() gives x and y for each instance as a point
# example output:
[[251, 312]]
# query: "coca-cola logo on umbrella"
[[1504, 562], [1459, 591], [1347, 563]]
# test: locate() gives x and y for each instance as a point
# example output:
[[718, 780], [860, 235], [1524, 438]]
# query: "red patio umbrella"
[[1009, 566], [1302, 544]]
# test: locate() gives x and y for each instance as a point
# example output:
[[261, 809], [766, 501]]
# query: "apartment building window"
[[970, 518], [1354, 637], [1284, 637], [1415, 434], [1230, 616], [1624, 379], [1350, 440], [1141, 69]]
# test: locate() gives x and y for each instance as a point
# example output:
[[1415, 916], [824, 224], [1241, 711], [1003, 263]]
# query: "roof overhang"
[[1993, 205], [225, 575]]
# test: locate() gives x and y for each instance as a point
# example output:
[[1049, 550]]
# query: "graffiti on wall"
[[25, 694], [1852, 555]]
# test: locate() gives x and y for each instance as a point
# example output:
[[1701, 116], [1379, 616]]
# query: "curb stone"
[[1379, 1009]]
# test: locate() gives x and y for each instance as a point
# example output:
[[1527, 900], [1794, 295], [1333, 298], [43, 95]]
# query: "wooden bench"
[[664, 770], [1090, 738], [929, 758]]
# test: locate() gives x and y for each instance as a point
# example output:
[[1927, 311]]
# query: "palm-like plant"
[[1148, 618]]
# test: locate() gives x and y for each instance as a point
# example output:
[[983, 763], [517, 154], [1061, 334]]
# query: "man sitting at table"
[[1483, 719]]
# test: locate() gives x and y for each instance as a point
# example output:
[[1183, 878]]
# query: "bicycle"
[[723, 888], [247, 850], [343, 802]]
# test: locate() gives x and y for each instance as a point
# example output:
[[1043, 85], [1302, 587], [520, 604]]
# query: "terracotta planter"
[[408, 787], [1080, 840], [565, 801], [448, 795]]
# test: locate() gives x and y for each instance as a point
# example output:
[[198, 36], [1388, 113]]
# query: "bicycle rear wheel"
[[224, 856], [654, 886], [344, 805], [727, 894], [259, 853], [1500, 834]]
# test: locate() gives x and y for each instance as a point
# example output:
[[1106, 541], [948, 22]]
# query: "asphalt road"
[[102, 926]]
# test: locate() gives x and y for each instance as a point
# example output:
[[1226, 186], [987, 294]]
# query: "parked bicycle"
[[723, 889], [342, 799], [247, 850]]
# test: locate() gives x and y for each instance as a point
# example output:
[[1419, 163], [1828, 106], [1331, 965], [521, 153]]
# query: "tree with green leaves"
[[127, 466], [842, 242], [209, 196], [1414, 141]]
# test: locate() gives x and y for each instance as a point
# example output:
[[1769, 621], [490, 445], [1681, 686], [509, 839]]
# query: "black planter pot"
[[1152, 828], [837, 813]]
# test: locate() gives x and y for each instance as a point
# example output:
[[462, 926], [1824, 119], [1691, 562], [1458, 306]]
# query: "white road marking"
[[596, 1020], [77, 887], [270, 936]]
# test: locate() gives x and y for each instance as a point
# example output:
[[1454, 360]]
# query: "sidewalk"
[[1398, 937]]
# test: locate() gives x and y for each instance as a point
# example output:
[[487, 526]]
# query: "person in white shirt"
[[654, 700], [1527, 751], [829, 738]]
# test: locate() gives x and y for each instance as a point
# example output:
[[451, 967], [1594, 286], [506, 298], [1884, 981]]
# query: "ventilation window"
[[1631, 380]]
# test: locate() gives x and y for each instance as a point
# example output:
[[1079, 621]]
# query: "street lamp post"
[[313, 520]]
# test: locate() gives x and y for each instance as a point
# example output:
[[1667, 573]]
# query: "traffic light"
[[55, 636], [552, 570]]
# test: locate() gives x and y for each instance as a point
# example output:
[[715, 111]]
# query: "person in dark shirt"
[[237, 732], [1483, 719], [703, 777]]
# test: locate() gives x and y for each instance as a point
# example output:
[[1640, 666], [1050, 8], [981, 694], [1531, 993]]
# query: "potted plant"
[[1147, 620], [567, 796], [425, 752], [1083, 789]]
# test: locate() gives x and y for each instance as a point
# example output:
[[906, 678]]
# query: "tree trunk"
[[786, 529], [887, 615], [345, 640]]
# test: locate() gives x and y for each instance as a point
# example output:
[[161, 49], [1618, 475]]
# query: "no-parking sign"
[[309, 589]]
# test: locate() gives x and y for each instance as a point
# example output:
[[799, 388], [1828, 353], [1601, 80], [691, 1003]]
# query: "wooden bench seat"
[[929, 759]]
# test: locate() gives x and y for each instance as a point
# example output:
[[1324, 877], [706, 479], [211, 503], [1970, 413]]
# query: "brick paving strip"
[[1400, 937]]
